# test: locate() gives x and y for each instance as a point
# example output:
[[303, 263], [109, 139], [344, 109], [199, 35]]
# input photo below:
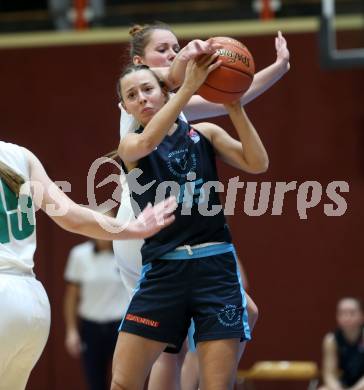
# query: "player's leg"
[[166, 372], [190, 368], [156, 318], [133, 359], [218, 361], [190, 372], [23, 330], [221, 319]]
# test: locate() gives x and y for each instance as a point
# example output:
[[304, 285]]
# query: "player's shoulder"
[[10, 147], [207, 129]]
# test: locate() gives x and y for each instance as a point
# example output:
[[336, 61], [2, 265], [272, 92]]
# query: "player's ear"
[[137, 60]]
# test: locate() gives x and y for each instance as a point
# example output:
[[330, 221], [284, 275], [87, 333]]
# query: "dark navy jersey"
[[184, 165], [351, 358]]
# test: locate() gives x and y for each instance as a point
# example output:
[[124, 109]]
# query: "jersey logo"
[[180, 163], [230, 316], [195, 137], [142, 320]]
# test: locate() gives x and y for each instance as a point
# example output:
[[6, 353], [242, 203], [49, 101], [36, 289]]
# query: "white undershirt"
[[103, 298]]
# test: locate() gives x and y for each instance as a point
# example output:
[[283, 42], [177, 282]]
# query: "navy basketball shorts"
[[202, 284]]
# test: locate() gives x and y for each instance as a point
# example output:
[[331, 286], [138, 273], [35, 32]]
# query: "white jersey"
[[102, 298], [17, 229], [127, 252]]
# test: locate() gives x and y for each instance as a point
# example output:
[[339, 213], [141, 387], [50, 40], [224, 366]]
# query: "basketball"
[[233, 77]]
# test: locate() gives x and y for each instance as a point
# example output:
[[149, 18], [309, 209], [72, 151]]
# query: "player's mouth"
[[147, 110]]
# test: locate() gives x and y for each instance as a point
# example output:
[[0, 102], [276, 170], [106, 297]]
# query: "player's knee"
[[118, 383]]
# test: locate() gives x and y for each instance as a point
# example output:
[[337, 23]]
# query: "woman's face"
[[161, 49], [349, 315], [142, 95]]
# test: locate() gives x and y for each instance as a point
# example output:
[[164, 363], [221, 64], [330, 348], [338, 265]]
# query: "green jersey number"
[[19, 222]]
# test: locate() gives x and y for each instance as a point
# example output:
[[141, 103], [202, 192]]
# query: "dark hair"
[[11, 178], [135, 68], [141, 36]]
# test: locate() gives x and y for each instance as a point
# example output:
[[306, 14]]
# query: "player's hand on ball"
[[198, 69], [198, 47], [282, 51]]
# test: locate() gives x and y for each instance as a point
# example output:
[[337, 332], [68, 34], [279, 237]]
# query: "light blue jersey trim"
[[147, 267], [244, 301], [195, 253]]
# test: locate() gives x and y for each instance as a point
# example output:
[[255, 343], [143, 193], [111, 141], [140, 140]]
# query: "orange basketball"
[[233, 77]]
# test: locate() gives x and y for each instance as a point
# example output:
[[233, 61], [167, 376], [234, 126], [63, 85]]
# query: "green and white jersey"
[[17, 216]]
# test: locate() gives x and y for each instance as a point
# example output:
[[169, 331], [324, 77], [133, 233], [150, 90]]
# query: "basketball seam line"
[[221, 90], [225, 65]]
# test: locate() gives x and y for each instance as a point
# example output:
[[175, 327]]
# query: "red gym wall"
[[61, 104]]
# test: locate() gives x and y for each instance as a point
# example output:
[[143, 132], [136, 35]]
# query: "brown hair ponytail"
[[140, 37], [11, 178]]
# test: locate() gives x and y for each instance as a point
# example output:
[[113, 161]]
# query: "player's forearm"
[[175, 76], [86, 222], [158, 127], [70, 310], [264, 79], [253, 151], [332, 382], [171, 80]]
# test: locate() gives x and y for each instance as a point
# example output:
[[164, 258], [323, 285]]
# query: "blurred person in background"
[[64, 14], [94, 302], [343, 350]]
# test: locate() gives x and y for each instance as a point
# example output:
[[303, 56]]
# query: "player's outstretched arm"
[[267, 77], [82, 220], [199, 108], [248, 153]]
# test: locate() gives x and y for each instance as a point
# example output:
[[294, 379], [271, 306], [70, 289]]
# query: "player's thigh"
[[218, 360], [133, 359]]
